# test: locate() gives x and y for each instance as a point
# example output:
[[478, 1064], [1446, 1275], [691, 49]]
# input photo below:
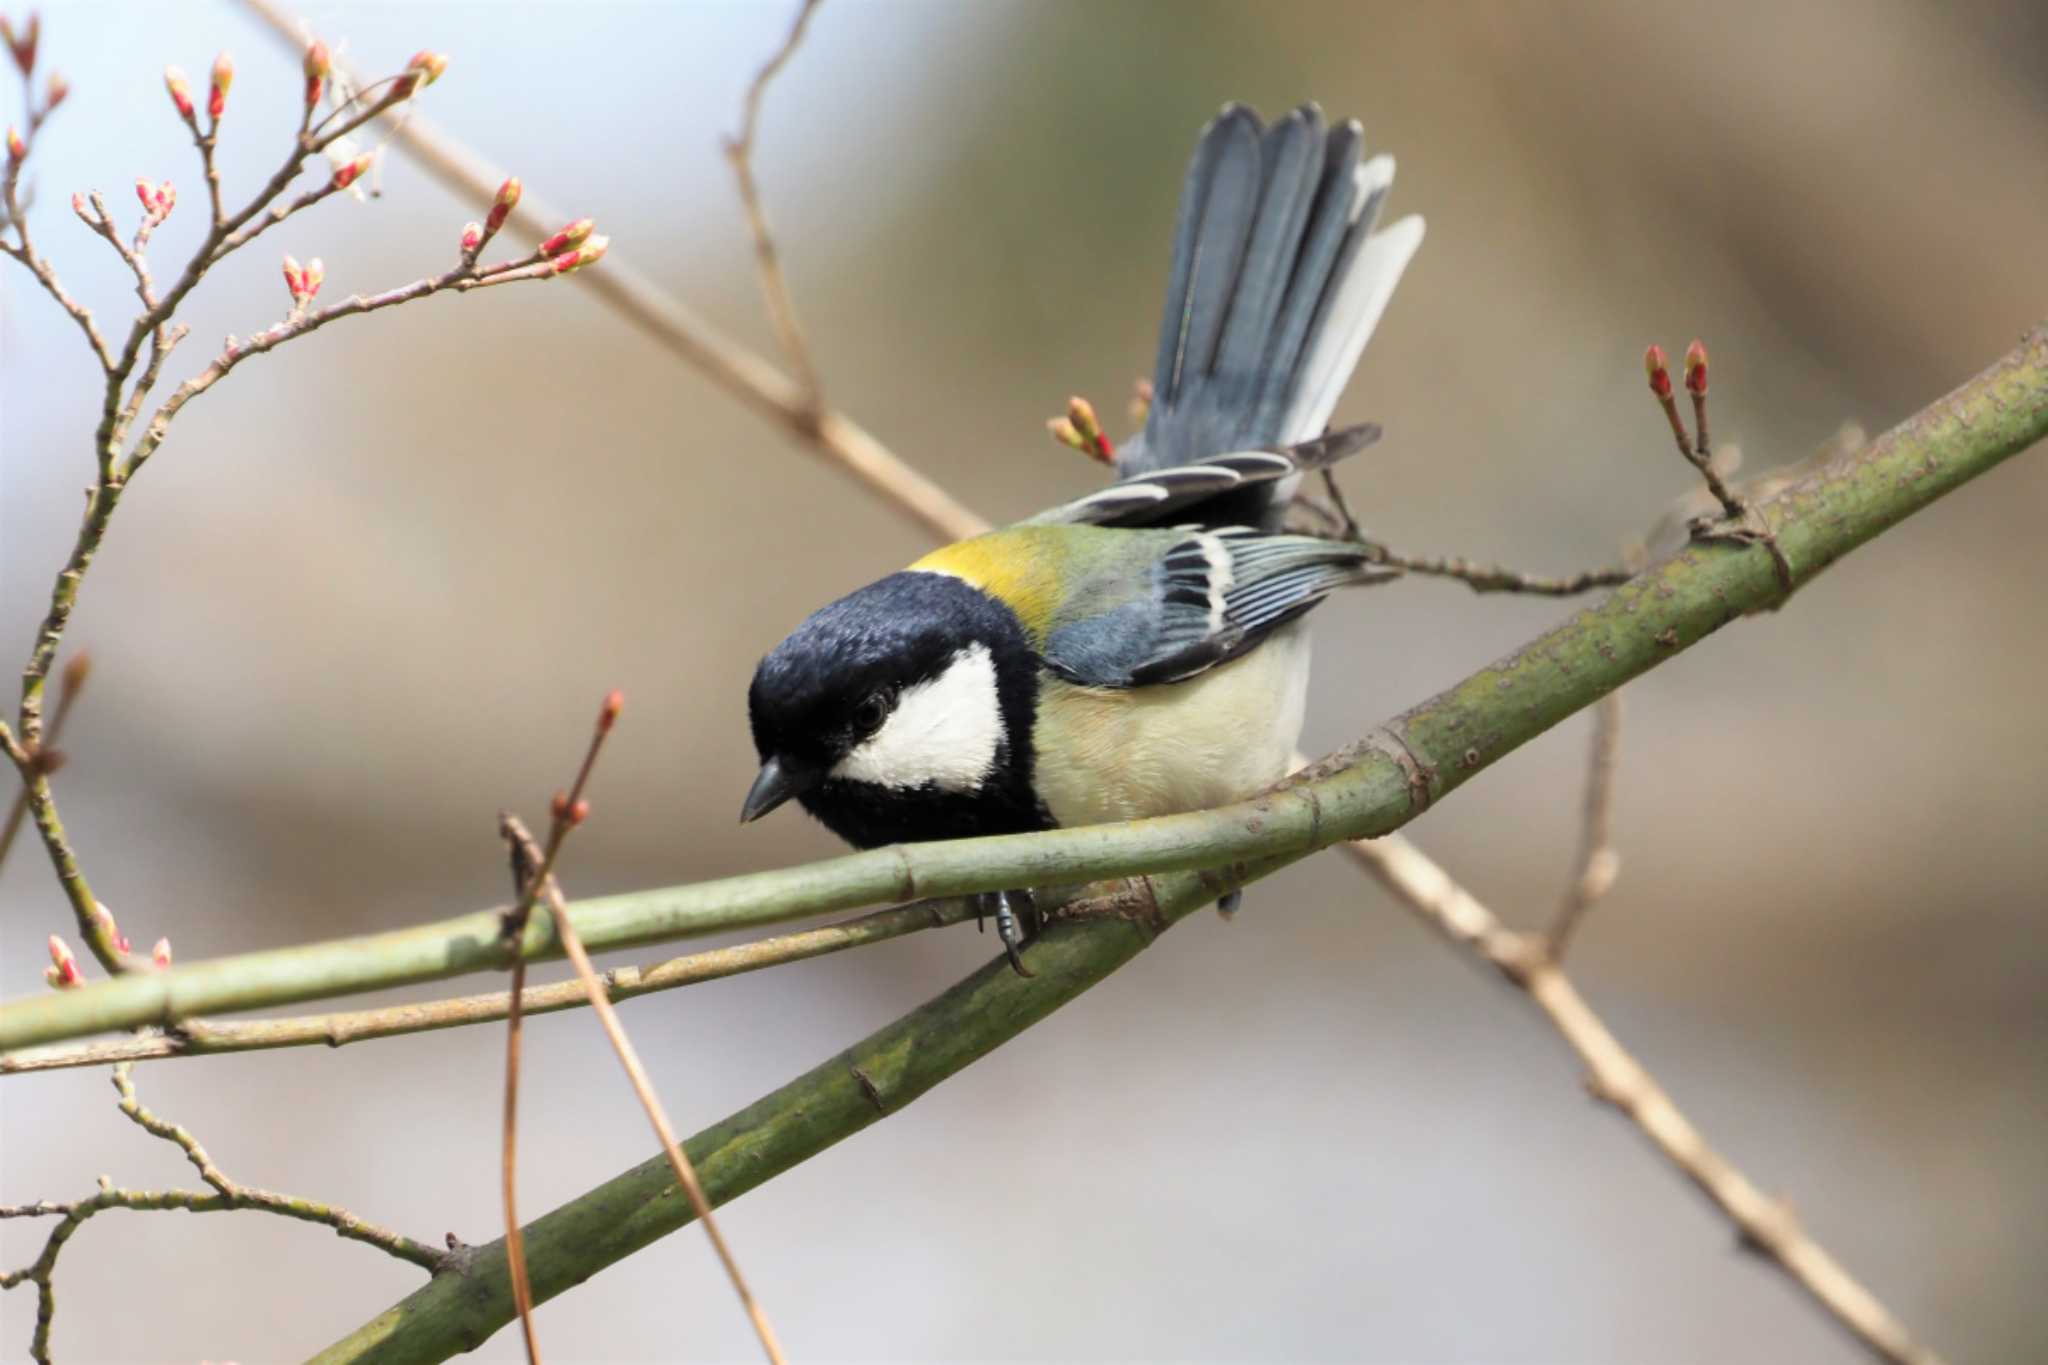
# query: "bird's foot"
[[1004, 905]]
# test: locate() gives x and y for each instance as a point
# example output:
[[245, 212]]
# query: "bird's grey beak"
[[777, 782]]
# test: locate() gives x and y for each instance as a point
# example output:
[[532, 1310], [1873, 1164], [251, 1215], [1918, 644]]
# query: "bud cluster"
[[303, 281]]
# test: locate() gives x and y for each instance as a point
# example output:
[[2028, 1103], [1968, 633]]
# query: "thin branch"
[[640, 299], [739, 150], [508, 1179], [203, 1038], [70, 686], [1371, 788], [226, 1196], [636, 1074], [1481, 578], [1599, 863], [1614, 1076]]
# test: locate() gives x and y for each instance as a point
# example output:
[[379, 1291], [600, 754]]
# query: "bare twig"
[[1599, 863], [537, 868], [523, 886], [71, 684], [685, 1173], [1481, 578], [1766, 1225], [226, 1196], [739, 150]]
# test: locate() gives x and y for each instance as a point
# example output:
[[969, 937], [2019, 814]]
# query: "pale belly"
[[1178, 747]]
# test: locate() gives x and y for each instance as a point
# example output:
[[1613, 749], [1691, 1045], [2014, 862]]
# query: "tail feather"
[[1276, 282]]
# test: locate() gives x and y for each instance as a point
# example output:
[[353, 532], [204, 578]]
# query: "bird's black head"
[[901, 712]]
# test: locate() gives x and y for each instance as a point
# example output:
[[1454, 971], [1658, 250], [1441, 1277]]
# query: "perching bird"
[[1138, 651]]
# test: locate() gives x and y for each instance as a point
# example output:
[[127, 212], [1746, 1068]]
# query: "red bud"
[[559, 806], [345, 175], [1660, 375], [17, 150], [181, 92], [223, 77], [1696, 368], [62, 963], [22, 45], [584, 255], [579, 812], [573, 235], [472, 236], [507, 200], [160, 955], [312, 275], [166, 199], [145, 190], [58, 89], [614, 702], [294, 278], [316, 66]]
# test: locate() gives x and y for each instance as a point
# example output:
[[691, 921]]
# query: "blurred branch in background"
[[227, 1196]]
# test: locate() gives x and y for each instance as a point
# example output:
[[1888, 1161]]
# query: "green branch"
[[1818, 515]]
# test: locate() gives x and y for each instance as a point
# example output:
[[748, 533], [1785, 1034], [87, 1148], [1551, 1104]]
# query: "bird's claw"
[[1007, 928]]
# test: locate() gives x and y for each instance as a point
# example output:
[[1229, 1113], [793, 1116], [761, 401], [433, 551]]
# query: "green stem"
[[1371, 788]]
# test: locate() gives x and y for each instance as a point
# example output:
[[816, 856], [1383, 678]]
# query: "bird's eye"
[[872, 710]]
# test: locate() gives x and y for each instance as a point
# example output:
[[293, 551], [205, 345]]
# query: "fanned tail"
[[1277, 280]]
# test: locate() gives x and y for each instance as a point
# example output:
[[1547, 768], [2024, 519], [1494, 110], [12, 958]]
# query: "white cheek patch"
[[945, 732]]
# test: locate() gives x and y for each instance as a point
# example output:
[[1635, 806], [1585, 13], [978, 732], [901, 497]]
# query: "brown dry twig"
[[1599, 862], [226, 1196], [1614, 1076], [569, 810], [739, 150]]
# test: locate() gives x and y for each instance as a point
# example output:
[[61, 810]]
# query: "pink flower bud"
[[58, 89], [62, 963], [614, 702], [181, 91], [472, 236], [507, 200], [317, 65], [311, 277], [223, 77], [294, 278], [573, 235], [1659, 374], [166, 199], [345, 175], [1696, 368], [160, 955], [145, 190], [17, 150], [22, 45], [584, 255], [579, 812], [429, 65], [78, 207]]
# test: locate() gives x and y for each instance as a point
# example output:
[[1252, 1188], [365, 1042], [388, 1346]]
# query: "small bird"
[[1138, 651]]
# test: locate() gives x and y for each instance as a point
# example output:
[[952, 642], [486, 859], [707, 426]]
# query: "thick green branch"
[[1373, 787]]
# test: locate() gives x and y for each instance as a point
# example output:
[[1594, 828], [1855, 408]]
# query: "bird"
[[1140, 650]]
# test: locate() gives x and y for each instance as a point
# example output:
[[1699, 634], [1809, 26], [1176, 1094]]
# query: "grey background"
[[372, 586]]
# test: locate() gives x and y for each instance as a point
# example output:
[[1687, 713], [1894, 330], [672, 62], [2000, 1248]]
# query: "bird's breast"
[[1105, 755]]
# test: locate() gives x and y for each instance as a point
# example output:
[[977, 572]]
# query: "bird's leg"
[[1004, 904]]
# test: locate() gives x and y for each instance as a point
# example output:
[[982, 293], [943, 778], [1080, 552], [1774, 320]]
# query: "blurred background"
[[374, 584]]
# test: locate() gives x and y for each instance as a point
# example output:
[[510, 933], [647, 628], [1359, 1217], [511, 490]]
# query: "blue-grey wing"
[[1208, 598]]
